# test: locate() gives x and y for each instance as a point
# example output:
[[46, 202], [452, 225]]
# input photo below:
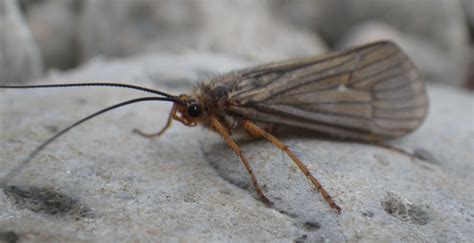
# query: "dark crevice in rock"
[[9, 237], [47, 201], [312, 226]]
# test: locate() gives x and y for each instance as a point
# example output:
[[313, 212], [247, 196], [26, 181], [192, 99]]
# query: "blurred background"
[[40, 36]]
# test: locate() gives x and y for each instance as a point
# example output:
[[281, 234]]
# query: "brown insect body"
[[368, 93]]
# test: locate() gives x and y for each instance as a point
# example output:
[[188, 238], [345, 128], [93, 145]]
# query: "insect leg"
[[162, 130], [256, 130], [223, 132]]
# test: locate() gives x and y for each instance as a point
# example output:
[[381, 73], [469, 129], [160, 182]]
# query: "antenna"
[[117, 85], [9, 176]]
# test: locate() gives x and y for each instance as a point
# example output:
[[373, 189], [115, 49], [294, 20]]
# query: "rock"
[[433, 63], [259, 35], [438, 24], [439, 21], [112, 185], [470, 77], [20, 58], [54, 27], [128, 27], [468, 6], [112, 28]]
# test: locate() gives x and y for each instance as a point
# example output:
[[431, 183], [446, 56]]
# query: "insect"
[[367, 93]]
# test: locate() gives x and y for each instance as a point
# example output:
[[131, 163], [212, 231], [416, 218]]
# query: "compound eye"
[[194, 110]]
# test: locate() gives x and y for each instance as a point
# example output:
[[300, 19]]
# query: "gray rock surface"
[[71, 32], [468, 6], [431, 60], [112, 28], [102, 182], [439, 24], [54, 25], [20, 58], [244, 28], [439, 21]]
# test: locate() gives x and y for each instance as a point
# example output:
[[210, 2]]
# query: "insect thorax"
[[214, 97]]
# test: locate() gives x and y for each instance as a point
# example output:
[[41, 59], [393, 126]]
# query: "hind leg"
[[257, 131]]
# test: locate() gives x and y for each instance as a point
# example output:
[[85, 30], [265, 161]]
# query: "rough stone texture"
[[20, 58], [54, 27], [438, 23], [109, 184], [245, 28]]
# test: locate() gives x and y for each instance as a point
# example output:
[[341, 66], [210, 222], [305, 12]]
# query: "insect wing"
[[368, 92]]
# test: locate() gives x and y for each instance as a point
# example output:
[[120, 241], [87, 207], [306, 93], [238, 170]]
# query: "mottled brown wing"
[[369, 92]]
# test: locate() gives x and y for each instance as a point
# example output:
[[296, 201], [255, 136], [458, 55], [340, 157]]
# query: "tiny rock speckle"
[[404, 210], [381, 159], [368, 214], [312, 226], [301, 239]]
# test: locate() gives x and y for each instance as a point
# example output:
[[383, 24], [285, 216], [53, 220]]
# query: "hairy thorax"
[[215, 102]]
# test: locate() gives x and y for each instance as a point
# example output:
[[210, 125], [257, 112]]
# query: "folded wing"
[[369, 92]]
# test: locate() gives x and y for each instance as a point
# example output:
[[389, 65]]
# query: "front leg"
[[217, 125], [171, 116]]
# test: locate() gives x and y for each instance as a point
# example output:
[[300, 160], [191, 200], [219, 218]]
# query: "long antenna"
[[9, 176], [118, 85]]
